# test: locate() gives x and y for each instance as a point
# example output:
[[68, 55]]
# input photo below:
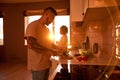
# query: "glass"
[[54, 31], [1, 31]]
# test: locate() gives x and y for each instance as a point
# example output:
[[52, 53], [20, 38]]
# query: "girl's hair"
[[63, 30]]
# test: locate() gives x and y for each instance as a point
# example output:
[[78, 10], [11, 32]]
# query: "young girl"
[[64, 39], [63, 43]]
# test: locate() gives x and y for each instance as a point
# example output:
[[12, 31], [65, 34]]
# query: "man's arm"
[[32, 43]]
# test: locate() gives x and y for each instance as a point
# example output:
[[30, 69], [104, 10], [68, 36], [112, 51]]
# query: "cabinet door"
[[100, 3], [76, 10]]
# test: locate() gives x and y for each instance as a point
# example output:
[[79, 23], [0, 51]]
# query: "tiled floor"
[[14, 71], [18, 71]]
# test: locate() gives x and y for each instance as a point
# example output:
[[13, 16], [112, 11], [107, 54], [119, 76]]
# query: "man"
[[40, 47]]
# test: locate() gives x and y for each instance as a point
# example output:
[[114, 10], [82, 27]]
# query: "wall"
[[98, 30], [108, 39], [77, 35], [2, 53], [13, 14]]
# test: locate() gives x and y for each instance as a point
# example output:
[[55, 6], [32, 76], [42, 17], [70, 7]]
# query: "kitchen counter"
[[102, 59]]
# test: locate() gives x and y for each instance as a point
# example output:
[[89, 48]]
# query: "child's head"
[[63, 30]]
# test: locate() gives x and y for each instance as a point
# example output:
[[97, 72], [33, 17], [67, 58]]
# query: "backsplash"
[[98, 32]]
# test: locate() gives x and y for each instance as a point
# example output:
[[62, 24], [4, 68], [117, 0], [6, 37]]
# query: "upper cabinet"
[[100, 3], [78, 8]]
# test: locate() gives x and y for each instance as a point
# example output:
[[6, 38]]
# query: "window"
[[117, 33], [59, 21], [29, 19], [53, 27], [1, 31]]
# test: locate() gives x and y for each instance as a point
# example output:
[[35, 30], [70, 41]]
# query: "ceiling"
[[28, 1], [23, 1]]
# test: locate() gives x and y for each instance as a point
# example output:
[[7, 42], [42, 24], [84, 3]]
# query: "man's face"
[[50, 18]]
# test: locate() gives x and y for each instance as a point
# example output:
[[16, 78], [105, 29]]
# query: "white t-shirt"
[[39, 61], [63, 42]]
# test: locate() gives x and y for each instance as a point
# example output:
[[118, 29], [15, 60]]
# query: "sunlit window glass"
[[117, 31], [59, 21], [1, 31], [53, 27], [29, 19]]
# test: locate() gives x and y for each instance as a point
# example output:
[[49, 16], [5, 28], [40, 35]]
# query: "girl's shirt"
[[63, 43]]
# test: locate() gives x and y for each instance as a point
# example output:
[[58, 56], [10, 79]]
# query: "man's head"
[[50, 9], [49, 14]]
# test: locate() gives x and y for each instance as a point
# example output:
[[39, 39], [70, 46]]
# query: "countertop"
[[102, 59], [97, 59]]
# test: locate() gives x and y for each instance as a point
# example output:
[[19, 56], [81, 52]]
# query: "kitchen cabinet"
[[96, 3], [77, 10], [89, 72], [100, 3]]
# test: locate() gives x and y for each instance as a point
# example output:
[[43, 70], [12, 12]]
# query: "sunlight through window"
[[1, 31], [117, 32], [59, 21], [53, 27]]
